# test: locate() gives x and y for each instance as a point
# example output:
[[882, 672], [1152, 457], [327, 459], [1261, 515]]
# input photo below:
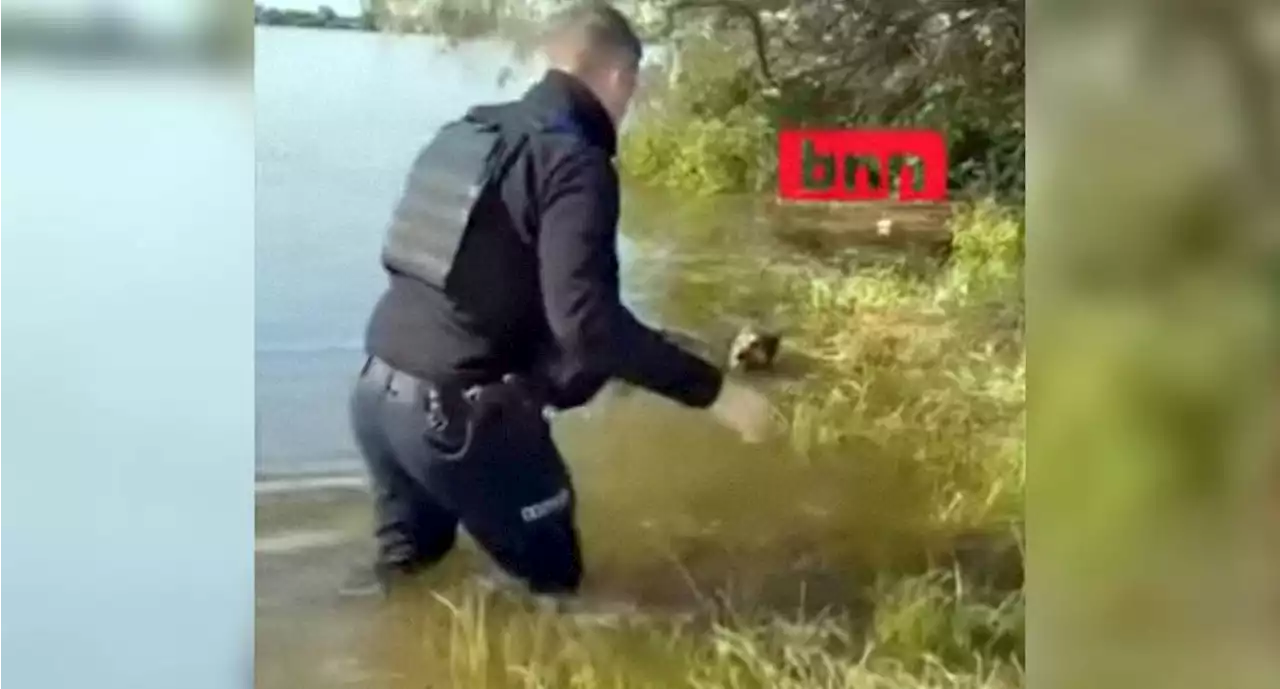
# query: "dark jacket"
[[541, 297]]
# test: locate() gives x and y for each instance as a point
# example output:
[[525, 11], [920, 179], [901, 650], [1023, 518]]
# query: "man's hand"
[[744, 410]]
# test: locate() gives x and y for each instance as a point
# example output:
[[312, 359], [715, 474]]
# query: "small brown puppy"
[[753, 350]]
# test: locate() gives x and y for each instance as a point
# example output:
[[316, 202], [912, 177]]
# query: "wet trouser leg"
[[490, 464], [412, 529], [513, 493]]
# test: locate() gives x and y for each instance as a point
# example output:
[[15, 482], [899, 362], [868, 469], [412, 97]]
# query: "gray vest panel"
[[449, 178]]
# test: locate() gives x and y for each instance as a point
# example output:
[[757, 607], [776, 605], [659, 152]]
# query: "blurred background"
[[128, 301], [170, 32], [1154, 472]]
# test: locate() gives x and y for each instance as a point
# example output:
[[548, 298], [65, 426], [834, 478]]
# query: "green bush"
[[702, 156]]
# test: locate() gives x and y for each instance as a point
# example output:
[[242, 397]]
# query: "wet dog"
[[753, 350]]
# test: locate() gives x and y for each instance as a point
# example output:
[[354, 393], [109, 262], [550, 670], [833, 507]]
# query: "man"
[[504, 301]]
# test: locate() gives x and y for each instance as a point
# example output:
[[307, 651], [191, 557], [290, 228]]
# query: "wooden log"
[[917, 228]]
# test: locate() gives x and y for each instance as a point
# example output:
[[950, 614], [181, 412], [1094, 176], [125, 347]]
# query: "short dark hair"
[[600, 26]]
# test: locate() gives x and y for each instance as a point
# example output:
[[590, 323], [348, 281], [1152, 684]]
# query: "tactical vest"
[[458, 171]]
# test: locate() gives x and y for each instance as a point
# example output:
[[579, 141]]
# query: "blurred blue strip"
[[128, 449]]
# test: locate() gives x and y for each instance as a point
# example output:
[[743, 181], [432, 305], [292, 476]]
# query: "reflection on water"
[[674, 509]]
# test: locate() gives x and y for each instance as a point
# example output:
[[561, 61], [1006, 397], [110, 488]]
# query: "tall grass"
[[927, 370], [909, 418]]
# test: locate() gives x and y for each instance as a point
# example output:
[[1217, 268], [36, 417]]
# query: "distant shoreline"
[[307, 483], [323, 18]]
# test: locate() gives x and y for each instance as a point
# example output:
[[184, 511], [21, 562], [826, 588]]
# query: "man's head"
[[594, 42]]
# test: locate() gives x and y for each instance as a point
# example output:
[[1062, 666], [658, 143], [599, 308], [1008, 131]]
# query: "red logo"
[[836, 164]]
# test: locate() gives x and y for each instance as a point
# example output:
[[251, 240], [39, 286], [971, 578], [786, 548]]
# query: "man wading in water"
[[503, 302]]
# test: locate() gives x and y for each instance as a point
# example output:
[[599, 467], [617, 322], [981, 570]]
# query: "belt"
[[404, 383], [447, 395]]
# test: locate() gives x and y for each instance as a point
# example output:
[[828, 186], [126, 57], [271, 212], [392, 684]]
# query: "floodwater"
[[674, 509]]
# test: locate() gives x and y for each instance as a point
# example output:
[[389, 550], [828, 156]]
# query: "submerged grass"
[[901, 478]]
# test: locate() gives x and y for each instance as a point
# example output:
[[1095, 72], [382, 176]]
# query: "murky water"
[[674, 508]]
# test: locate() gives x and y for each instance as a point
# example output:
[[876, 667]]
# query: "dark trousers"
[[483, 459]]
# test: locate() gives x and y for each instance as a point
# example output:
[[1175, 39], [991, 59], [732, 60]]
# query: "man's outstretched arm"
[[598, 335]]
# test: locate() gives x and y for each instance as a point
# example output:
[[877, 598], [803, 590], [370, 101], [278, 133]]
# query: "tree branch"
[[734, 7]]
